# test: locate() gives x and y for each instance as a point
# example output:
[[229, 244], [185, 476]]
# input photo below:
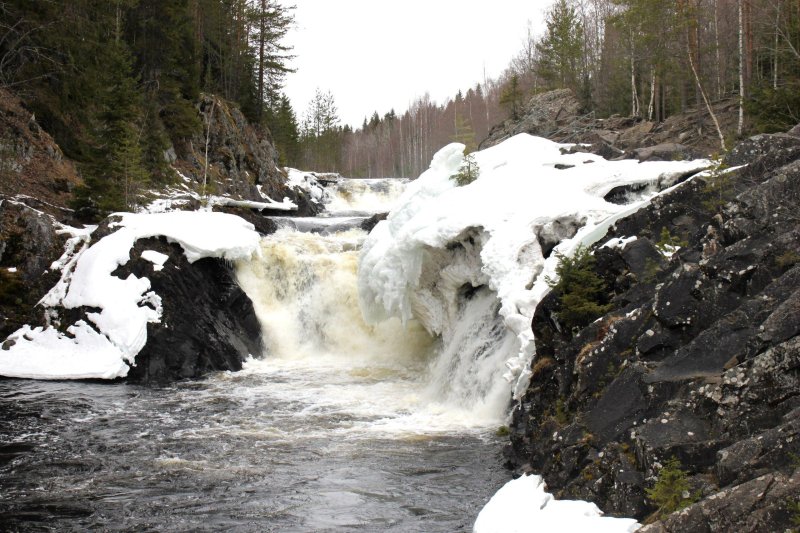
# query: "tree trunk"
[[740, 126], [261, 43]]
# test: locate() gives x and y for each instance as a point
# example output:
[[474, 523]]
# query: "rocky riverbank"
[[696, 363]]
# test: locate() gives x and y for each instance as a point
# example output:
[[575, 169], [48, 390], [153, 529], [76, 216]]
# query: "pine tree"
[[285, 131], [511, 97], [115, 172], [561, 49]]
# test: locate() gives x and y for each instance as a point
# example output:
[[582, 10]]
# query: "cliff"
[[697, 361]]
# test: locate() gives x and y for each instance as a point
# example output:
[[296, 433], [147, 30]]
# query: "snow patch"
[[157, 258], [524, 506]]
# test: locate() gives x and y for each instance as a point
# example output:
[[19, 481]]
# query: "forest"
[[116, 82]]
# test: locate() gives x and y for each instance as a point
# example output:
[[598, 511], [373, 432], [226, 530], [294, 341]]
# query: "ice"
[[524, 506], [518, 194], [125, 306]]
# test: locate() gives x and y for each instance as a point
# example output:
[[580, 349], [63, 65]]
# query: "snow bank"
[[524, 506], [125, 306], [526, 188]]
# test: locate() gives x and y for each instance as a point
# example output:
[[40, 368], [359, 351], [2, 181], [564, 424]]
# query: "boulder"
[[208, 322], [761, 504]]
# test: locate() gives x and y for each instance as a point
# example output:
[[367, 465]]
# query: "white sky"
[[375, 55]]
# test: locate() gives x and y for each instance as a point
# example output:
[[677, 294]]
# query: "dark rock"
[[372, 221], [29, 243], [642, 258], [620, 405], [208, 323], [754, 149], [756, 506], [699, 360]]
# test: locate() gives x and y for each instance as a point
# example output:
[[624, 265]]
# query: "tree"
[[320, 132], [271, 22], [560, 61], [511, 97], [116, 171], [285, 131]]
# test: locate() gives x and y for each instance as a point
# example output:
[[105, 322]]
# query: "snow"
[[125, 306], [619, 243], [518, 198], [157, 258], [519, 192], [269, 203], [307, 182], [523, 505]]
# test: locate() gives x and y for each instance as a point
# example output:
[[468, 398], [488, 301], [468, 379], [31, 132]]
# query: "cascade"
[[304, 288], [393, 376]]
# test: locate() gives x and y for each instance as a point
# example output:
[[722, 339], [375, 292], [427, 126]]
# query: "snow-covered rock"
[[529, 192], [117, 310]]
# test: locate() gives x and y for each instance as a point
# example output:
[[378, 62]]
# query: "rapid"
[[338, 426]]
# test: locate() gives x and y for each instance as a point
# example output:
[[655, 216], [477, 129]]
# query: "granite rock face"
[[699, 359]]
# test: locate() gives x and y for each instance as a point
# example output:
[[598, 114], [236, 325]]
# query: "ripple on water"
[[233, 452]]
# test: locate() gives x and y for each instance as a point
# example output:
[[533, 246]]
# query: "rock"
[[208, 322], [761, 504], [665, 152], [543, 115], [372, 221], [242, 160], [29, 244], [698, 360], [31, 163]]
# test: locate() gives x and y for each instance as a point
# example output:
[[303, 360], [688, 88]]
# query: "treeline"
[[395, 145], [646, 58], [116, 81], [656, 58]]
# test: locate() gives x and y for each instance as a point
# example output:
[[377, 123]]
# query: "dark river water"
[[344, 426], [228, 453]]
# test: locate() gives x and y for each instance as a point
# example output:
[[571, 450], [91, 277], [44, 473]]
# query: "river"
[[338, 426]]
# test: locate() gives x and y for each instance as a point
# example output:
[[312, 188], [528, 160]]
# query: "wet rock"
[[208, 322], [372, 221]]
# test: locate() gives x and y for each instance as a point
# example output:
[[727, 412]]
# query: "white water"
[[367, 196], [382, 378]]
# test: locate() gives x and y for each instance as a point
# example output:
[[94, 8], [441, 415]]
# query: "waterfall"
[[367, 196], [391, 376]]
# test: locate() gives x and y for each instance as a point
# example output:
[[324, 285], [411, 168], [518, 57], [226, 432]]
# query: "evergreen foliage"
[[671, 491], [116, 83], [511, 97], [580, 291], [561, 48], [468, 172]]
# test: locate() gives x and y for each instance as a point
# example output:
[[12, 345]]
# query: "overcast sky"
[[375, 55]]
